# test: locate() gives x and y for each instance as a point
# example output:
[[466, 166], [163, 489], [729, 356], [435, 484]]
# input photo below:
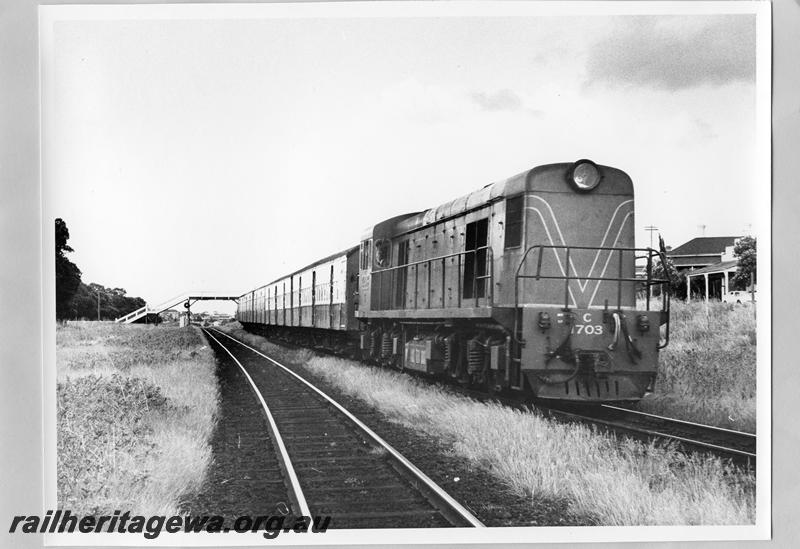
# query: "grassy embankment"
[[607, 480], [136, 409], [707, 372]]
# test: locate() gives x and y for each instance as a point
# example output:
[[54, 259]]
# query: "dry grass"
[[615, 482], [136, 409], [708, 371]]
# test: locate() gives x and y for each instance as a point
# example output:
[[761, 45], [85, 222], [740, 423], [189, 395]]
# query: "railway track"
[[736, 445], [739, 446], [333, 464]]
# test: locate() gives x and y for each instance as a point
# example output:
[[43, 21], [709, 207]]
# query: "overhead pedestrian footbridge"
[[149, 312]]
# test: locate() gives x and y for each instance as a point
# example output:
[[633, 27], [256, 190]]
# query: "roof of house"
[[704, 245], [716, 268], [695, 260]]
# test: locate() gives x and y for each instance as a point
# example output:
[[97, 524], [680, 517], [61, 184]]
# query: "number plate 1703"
[[584, 326]]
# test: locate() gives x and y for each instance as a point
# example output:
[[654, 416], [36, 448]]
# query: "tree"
[[74, 299], [114, 302], [68, 275], [667, 270], [745, 250]]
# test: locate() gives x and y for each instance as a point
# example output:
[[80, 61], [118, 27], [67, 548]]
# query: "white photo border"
[[50, 14]]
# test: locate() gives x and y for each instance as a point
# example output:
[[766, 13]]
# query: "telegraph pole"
[[98, 305], [652, 229]]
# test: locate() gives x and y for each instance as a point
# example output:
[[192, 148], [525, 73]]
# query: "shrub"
[[103, 433], [133, 426]]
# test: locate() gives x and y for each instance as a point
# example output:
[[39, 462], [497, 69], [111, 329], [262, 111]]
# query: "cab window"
[[514, 221], [366, 254], [383, 253]]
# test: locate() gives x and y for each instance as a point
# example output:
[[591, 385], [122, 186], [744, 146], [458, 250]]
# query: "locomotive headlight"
[[584, 175]]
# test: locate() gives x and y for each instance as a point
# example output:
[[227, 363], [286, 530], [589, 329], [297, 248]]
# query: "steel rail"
[[660, 432], [298, 491], [743, 434], [430, 484], [610, 424]]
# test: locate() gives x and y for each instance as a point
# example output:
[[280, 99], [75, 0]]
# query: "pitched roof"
[[718, 268], [695, 260], [704, 245]]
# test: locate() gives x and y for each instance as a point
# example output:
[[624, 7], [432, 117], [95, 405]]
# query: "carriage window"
[[514, 217]]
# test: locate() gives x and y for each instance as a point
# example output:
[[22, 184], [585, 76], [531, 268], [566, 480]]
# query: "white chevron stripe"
[[558, 259], [608, 259], [605, 236], [582, 284]]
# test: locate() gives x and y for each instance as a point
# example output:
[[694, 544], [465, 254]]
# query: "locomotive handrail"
[[648, 281], [488, 290], [438, 258]]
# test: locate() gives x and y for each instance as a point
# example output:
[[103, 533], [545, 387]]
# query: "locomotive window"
[[402, 275], [365, 254], [475, 263], [514, 217], [383, 253]]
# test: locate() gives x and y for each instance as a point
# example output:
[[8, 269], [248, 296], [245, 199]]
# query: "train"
[[529, 285]]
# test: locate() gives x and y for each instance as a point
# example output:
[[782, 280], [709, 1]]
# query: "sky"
[[221, 153]]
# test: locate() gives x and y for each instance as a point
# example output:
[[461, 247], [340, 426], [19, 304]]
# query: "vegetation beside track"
[[136, 409], [707, 373], [617, 481]]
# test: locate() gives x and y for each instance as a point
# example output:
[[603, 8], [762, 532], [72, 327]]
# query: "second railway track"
[[334, 464], [736, 445]]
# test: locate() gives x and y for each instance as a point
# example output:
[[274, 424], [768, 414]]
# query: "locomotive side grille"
[[374, 343], [475, 356], [449, 352], [386, 345]]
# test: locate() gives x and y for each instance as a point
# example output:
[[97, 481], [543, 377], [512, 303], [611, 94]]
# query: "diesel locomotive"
[[529, 284]]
